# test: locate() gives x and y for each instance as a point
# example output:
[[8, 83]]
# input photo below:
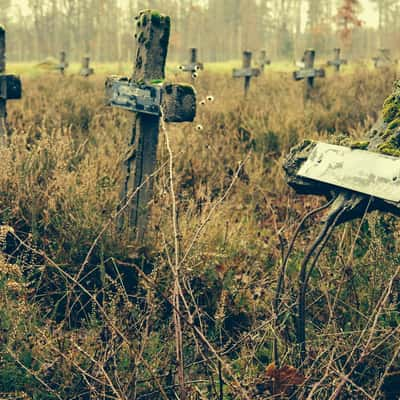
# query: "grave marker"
[[246, 72], [308, 73], [194, 65], [149, 99], [10, 88], [384, 59], [86, 70], [337, 62], [356, 179], [63, 65], [264, 60]]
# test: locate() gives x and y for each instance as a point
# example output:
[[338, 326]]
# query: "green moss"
[[389, 149], [156, 18], [361, 145]]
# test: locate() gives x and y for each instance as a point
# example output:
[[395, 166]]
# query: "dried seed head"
[[197, 68], [210, 98], [202, 103], [199, 127], [195, 75], [180, 67]]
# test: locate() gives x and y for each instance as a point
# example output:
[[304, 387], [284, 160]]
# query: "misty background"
[[220, 29]]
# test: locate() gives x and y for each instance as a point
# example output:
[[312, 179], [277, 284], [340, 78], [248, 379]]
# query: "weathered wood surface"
[[383, 138], [246, 72], [86, 70], [337, 62], [63, 62]]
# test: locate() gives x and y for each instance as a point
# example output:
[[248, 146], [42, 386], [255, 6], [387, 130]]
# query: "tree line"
[[220, 29]]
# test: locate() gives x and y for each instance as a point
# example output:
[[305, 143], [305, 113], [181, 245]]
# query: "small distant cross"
[[194, 65], [86, 71], [337, 61], [149, 98], [384, 59], [63, 65], [308, 73], [264, 60], [10, 88], [246, 72]]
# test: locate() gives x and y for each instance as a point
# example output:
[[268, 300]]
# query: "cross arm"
[[337, 62], [175, 102], [10, 87], [192, 67], [308, 73], [246, 72]]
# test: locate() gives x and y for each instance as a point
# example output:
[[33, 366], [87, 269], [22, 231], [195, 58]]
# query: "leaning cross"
[[247, 72], [194, 66], [86, 70], [337, 61], [63, 65], [264, 60], [309, 73], [359, 178], [10, 88], [149, 99], [384, 59]]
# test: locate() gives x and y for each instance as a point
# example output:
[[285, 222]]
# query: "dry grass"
[[108, 331]]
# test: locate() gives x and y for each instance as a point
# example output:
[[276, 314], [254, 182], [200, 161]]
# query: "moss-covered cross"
[[337, 62], [308, 72], [356, 177], [246, 72], [10, 87], [149, 98]]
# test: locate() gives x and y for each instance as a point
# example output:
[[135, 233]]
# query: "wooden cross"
[[149, 98], [355, 179], [63, 62], [308, 73], [264, 60], [194, 66], [86, 71], [384, 59], [337, 61], [246, 72], [10, 88]]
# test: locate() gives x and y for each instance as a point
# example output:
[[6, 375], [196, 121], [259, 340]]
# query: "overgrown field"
[[86, 314]]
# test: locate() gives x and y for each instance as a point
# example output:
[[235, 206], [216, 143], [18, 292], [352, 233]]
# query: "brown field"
[[87, 314]]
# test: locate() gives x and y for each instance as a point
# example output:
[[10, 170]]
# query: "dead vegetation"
[[85, 314]]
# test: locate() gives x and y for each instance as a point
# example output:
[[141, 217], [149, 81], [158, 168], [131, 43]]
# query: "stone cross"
[[194, 65], [10, 88], [149, 98], [337, 61], [384, 59], [63, 62], [86, 71], [358, 178], [308, 73], [264, 60], [246, 72]]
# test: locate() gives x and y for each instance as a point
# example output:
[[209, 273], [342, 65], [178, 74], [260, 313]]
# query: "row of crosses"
[[85, 71]]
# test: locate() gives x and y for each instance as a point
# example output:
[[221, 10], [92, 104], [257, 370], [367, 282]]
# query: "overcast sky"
[[369, 14]]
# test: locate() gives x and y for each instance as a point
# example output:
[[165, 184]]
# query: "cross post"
[[63, 65], [10, 88], [149, 98], [337, 61], [86, 70], [247, 72], [383, 59], [308, 73], [194, 65], [264, 60]]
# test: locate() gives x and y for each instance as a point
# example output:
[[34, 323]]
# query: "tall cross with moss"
[[10, 88], [355, 178], [149, 98]]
